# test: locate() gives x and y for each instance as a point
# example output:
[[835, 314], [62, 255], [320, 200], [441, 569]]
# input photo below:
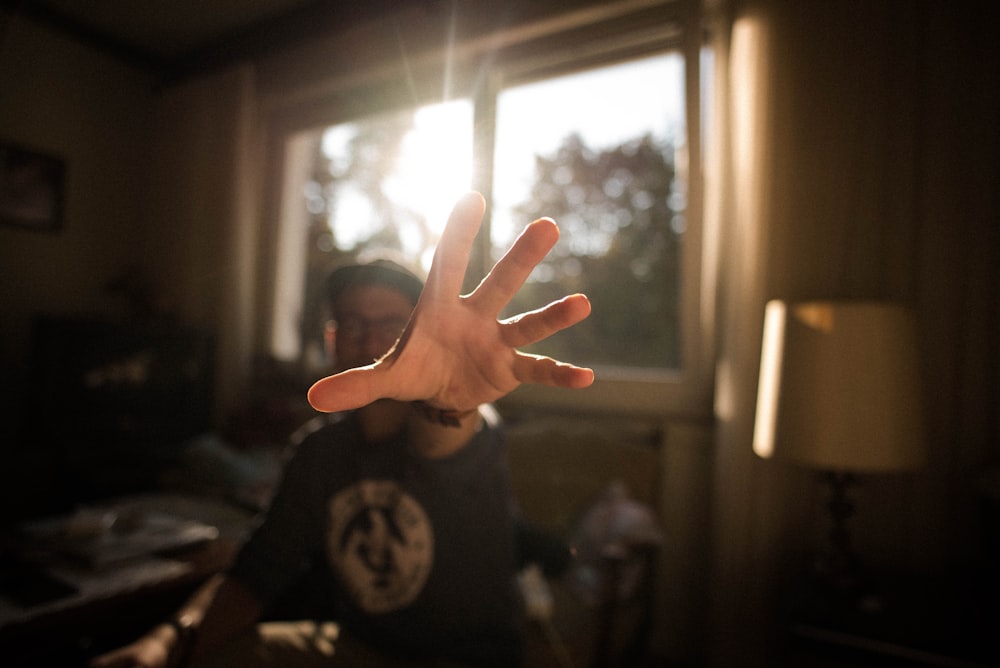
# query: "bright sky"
[[605, 106]]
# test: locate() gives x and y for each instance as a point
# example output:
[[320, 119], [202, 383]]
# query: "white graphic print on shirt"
[[381, 543]]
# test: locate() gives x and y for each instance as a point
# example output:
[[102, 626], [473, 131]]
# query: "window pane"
[[385, 182], [603, 153], [390, 181]]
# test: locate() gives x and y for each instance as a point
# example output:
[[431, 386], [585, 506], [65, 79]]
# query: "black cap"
[[379, 270]]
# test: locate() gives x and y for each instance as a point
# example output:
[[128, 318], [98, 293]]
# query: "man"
[[406, 494]]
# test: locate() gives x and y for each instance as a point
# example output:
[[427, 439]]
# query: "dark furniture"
[[109, 405], [62, 602], [894, 620]]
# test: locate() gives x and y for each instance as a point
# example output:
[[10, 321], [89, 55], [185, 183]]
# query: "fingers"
[[547, 371], [451, 258], [345, 391], [513, 269], [528, 328]]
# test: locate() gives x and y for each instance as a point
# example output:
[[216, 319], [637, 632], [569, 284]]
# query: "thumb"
[[346, 390]]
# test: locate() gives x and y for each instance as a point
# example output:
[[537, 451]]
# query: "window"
[[385, 182], [602, 147], [611, 175]]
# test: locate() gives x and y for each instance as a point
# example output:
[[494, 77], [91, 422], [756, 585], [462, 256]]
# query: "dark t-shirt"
[[421, 551]]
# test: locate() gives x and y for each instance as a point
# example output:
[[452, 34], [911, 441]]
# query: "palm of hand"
[[454, 353]]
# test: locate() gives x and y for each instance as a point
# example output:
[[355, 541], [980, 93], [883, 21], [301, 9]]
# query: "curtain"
[[748, 494], [201, 241], [855, 157]]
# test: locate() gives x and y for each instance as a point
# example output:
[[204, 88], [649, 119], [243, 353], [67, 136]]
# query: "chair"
[[591, 486]]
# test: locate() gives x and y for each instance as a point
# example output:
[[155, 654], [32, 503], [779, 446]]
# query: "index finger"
[[451, 258]]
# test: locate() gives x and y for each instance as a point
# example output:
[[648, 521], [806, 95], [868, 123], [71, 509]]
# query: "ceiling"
[[175, 38]]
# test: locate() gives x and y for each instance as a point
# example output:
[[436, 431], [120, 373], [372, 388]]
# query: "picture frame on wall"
[[32, 187]]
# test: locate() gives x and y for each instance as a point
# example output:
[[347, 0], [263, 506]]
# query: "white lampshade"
[[839, 387]]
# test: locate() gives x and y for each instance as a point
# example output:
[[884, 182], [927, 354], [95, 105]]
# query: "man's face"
[[367, 321]]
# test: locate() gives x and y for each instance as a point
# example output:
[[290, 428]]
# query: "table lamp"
[[839, 392]]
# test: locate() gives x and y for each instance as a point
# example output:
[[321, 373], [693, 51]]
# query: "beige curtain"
[[201, 243], [748, 524], [855, 157]]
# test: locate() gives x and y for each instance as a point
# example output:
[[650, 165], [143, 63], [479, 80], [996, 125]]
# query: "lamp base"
[[837, 563]]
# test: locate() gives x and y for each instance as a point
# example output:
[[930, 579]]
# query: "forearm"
[[217, 612]]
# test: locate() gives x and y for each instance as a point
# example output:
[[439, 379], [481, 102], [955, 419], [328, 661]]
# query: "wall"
[[70, 101]]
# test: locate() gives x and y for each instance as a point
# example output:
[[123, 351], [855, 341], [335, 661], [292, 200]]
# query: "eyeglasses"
[[385, 330]]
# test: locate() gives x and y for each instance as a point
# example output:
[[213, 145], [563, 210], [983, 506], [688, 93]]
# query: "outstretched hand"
[[455, 354]]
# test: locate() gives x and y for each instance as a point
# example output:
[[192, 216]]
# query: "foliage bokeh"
[[621, 213]]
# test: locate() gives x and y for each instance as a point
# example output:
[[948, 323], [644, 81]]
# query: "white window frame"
[[686, 392]]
